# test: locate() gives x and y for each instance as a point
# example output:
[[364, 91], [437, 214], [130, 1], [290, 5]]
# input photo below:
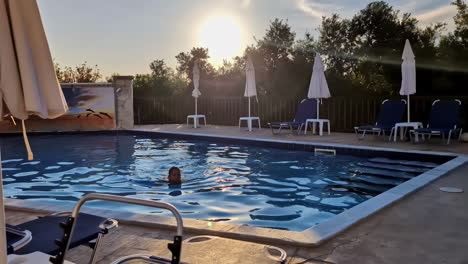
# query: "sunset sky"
[[124, 36]]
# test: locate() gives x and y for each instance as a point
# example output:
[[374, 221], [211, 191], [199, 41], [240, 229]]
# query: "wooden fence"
[[343, 112]]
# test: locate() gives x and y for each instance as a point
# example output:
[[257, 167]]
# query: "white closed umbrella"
[[250, 84], [196, 92], [28, 84], [408, 74], [318, 87]]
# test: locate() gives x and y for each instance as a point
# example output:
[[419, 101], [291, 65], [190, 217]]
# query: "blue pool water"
[[240, 184]]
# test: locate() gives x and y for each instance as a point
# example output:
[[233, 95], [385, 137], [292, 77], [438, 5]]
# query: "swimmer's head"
[[174, 176]]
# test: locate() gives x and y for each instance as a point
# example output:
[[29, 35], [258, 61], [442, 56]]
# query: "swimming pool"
[[257, 185]]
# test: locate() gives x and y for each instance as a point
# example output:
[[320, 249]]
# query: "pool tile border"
[[310, 237], [366, 151]]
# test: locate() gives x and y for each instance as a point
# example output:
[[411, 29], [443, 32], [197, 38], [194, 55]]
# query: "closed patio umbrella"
[[408, 74], [196, 92], [318, 87], [250, 84], [28, 84]]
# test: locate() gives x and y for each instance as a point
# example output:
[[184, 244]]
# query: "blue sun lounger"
[[41, 234], [443, 120], [391, 112], [307, 110]]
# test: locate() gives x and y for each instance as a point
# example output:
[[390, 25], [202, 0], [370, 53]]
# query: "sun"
[[222, 36]]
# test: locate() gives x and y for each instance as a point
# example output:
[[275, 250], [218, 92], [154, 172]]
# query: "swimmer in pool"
[[174, 176]]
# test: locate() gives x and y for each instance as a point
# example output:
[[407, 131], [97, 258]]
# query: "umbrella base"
[[249, 120], [196, 119]]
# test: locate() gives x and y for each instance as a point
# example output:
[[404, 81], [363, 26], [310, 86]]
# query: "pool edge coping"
[[337, 145], [310, 237]]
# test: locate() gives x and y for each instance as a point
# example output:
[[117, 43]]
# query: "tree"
[[336, 45], [186, 60], [111, 78], [277, 44], [365, 51], [185, 63], [161, 82], [461, 22], [272, 57], [81, 73], [453, 54], [230, 77], [160, 69]]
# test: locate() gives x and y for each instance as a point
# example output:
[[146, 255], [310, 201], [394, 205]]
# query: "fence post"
[[123, 87]]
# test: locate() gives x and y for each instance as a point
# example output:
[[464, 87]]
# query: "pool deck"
[[434, 144], [427, 226]]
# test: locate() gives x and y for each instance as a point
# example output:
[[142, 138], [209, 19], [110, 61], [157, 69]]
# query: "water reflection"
[[235, 183]]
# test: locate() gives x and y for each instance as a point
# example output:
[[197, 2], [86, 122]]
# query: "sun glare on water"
[[222, 36]]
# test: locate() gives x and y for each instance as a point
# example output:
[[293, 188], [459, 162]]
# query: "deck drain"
[[451, 189]]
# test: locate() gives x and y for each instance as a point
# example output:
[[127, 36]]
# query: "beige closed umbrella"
[[318, 87], [408, 75], [28, 84], [250, 83]]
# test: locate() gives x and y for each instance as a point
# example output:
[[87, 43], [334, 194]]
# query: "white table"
[[403, 127], [321, 122], [249, 120], [195, 119]]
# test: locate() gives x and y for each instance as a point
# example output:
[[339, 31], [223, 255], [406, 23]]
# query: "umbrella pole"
[[26, 142], [3, 246], [318, 108], [408, 111], [249, 107], [196, 113]]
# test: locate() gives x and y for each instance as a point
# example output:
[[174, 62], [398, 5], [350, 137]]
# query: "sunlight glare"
[[222, 36]]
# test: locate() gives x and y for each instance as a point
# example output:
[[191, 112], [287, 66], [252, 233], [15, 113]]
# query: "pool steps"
[[382, 173], [430, 165], [403, 168], [378, 175]]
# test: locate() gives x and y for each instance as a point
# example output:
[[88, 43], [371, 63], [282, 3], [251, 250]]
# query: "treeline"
[[362, 56]]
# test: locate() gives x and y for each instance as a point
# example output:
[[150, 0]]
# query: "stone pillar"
[[123, 86]]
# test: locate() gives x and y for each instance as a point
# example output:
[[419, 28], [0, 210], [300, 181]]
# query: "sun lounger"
[[391, 112], [443, 120], [45, 230], [307, 109], [72, 224]]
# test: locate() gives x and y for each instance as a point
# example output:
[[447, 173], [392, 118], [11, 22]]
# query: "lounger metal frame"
[[69, 226], [26, 238], [286, 125]]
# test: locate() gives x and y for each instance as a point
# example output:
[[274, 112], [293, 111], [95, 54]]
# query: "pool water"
[[258, 186]]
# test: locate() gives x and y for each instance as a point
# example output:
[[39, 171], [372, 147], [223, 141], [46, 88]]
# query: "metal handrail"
[[121, 199]]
